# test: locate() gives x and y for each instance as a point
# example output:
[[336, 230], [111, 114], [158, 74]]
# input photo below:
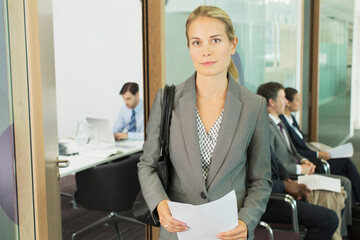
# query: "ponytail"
[[233, 71]]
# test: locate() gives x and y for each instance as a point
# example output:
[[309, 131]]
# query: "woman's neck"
[[211, 87], [287, 112]]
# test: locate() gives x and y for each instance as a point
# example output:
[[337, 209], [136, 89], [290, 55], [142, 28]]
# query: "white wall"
[[98, 47]]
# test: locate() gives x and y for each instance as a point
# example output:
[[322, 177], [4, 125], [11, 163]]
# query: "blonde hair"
[[217, 13]]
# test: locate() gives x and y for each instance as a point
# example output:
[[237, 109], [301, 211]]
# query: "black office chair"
[[110, 187]]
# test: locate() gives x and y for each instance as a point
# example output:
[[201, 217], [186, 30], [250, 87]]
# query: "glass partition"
[[9, 225], [269, 37], [335, 53], [102, 54]]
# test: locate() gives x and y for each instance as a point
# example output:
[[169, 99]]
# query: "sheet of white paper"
[[319, 182], [342, 151], [207, 220], [103, 153]]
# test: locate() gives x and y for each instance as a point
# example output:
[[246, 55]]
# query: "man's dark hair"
[[290, 93], [269, 90], [132, 87]]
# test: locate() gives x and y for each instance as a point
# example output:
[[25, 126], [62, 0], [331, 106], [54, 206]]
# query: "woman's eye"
[[195, 43], [215, 40]]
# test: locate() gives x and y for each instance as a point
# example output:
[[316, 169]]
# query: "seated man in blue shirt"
[[130, 121]]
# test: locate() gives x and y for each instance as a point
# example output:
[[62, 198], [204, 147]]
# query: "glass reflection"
[[9, 225], [335, 53], [268, 40]]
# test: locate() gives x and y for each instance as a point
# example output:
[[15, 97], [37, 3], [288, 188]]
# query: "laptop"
[[102, 131]]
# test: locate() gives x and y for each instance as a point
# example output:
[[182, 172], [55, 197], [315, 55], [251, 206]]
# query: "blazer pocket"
[[175, 193]]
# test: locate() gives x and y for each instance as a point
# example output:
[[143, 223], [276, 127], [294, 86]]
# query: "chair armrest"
[[268, 228], [291, 201], [326, 166]]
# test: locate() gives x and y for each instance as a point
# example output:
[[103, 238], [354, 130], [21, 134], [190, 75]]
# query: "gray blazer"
[[241, 159], [285, 154]]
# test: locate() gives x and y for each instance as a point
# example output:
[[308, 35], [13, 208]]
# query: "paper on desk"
[[342, 151], [207, 220], [318, 182], [102, 153]]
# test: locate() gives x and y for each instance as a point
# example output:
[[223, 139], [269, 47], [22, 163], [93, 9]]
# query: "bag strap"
[[167, 107]]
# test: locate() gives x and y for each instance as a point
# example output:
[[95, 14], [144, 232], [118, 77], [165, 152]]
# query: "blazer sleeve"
[[278, 186], [308, 153], [291, 167], [150, 183], [283, 172], [274, 144], [258, 172]]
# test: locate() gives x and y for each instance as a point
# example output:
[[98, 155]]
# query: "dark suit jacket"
[[240, 162], [297, 141]]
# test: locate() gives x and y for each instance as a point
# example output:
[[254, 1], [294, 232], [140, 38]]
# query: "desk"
[[92, 155]]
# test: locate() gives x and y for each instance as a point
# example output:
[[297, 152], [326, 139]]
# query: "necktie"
[[281, 129], [282, 132], [132, 123]]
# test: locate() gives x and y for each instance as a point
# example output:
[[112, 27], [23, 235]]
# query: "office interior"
[[62, 61]]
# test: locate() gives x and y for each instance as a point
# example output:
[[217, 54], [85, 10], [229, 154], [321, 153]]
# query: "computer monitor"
[[101, 130]]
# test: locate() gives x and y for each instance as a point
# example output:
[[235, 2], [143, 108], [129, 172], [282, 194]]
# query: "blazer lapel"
[[297, 125], [232, 110], [187, 104], [280, 134], [290, 148]]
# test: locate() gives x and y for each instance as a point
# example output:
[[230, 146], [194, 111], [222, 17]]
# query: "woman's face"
[[210, 47], [296, 104]]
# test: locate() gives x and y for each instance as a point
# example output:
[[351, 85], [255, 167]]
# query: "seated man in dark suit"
[[321, 222], [280, 141], [341, 166]]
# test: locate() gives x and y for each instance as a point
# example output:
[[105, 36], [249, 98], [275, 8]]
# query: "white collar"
[[276, 120], [289, 120]]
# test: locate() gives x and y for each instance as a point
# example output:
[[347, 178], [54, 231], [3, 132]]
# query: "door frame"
[[153, 27], [35, 219]]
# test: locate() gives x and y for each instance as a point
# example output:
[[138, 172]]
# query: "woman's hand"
[[324, 156], [167, 221], [238, 233]]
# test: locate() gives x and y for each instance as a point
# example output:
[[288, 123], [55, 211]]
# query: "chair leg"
[[113, 216], [117, 230], [95, 224], [126, 219], [73, 201]]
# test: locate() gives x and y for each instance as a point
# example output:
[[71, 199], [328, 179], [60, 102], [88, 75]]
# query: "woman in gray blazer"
[[219, 135]]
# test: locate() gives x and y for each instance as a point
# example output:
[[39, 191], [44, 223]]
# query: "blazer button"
[[203, 195]]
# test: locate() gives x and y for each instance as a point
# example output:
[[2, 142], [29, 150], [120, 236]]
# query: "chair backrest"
[[109, 187]]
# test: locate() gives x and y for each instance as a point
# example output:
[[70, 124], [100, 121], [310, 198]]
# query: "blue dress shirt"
[[123, 121]]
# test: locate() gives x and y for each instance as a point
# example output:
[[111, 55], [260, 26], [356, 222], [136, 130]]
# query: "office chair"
[[109, 187], [263, 231], [326, 166], [283, 230]]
